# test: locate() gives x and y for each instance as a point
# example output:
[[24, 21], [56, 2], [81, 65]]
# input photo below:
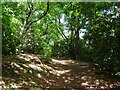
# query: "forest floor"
[[27, 71]]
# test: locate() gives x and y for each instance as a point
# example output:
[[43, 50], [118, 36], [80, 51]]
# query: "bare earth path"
[[26, 71]]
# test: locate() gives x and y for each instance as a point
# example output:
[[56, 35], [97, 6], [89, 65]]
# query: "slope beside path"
[[27, 71]]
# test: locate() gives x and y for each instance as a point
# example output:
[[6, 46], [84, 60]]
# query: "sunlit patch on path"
[[79, 74], [26, 71]]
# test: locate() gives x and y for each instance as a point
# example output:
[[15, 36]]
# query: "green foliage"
[[118, 73], [24, 30], [102, 37]]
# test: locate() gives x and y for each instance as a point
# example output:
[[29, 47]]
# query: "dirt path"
[[29, 72], [78, 74]]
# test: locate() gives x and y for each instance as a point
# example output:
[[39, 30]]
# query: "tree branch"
[[41, 16], [62, 34], [29, 12]]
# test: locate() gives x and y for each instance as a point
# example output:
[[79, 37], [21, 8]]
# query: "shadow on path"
[[27, 71]]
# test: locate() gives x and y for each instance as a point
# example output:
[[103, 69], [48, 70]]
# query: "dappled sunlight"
[[22, 73], [69, 78], [67, 81], [63, 62], [29, 57], [13, 64], [60, 73], [85, 84], [85, 77], [47, 67], [71, 45], [35, 67], [90, 82], [2, 83], [13, 85]]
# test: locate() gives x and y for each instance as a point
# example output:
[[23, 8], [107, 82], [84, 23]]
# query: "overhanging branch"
[[40, 16]]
